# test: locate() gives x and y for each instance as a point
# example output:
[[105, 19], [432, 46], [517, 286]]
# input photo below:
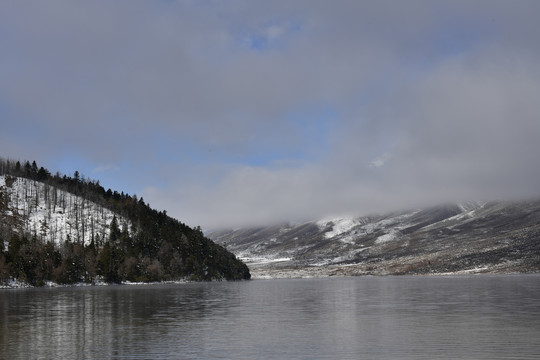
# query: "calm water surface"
[[477, 317]]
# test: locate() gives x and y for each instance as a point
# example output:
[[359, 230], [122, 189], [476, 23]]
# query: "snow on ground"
[[340, 226], [14, 284], [397, 222], [468, 211], [392, 235], [260, 260], [55, 215], [471, 206], [363, 226]]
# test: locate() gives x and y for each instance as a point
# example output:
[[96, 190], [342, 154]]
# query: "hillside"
[[53, 215], [496, 237], [69, 229]]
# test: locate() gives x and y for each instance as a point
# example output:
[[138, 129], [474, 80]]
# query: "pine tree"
[[115, 233]]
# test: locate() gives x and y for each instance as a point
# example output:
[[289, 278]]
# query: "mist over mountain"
[[466, 238]]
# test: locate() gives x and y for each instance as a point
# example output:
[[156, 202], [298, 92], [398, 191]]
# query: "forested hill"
[[69, 229]]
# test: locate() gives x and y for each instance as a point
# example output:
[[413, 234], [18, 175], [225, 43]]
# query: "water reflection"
[[488, 317]]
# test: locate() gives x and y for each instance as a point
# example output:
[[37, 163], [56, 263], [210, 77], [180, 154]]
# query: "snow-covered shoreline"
[[17, 284]]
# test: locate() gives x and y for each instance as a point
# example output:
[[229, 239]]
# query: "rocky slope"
[[496, 237]]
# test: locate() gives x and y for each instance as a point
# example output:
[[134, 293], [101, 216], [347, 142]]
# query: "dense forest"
[[86, 233]]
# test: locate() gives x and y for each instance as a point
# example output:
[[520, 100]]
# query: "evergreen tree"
[[114, 235], [33, 170]]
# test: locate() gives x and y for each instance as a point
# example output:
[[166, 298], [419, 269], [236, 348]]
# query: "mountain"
[[69, 229], [495, 237]]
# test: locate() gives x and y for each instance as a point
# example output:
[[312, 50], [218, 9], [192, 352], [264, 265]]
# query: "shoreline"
[[16, 284], [276, 274], [354, 270]]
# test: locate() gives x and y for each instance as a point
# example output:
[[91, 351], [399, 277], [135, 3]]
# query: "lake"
[[465, 317]]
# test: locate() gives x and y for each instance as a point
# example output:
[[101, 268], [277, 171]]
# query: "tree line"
[[155, 247]]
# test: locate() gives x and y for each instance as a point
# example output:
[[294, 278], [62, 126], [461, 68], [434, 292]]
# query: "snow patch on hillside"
[[468, 211], [339, 226], [55, 215], [392, 235], [471, 206]]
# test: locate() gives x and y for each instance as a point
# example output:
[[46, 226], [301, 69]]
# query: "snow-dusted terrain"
[[54, 215], [464, 238]]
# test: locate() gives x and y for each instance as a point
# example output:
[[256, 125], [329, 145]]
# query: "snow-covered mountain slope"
[[469, 237], [55, 215]]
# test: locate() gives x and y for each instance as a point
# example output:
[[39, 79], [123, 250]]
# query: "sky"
[[236, 113]]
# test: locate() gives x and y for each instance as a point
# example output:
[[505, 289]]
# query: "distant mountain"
[[69, 229], [496, 237]]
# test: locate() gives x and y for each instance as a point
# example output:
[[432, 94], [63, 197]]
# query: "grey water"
[[465, 317]]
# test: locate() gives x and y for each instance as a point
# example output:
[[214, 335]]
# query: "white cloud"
[[380, 160]]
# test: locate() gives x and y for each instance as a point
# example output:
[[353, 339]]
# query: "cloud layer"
[[228, 113]]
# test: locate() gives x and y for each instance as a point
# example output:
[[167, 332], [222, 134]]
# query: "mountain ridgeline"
[[69, 229], [466, 238]]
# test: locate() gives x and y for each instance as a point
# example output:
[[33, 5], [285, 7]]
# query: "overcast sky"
[[228, 113]]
